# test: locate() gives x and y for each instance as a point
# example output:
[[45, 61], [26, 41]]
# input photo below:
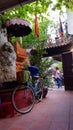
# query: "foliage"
[[45, 63], [25, 11], [60, 65], [38, 53], [60, 3], [31, 39]]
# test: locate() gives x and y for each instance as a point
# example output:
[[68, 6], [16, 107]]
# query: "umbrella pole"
[[20, 40]]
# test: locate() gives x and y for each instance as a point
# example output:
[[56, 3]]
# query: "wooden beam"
[[8, 4]]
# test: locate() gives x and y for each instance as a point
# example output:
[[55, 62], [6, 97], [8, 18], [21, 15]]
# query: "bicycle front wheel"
[[23, 99]]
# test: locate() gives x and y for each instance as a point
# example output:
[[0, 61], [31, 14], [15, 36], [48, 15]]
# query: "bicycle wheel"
[[39, 92], [23, 99]]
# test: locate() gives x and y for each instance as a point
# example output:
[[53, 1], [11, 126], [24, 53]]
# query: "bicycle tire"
[[23, 99], [39, 92]]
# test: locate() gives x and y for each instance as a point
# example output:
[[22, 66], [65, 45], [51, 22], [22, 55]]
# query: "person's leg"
[[59, 83], [55, 80]]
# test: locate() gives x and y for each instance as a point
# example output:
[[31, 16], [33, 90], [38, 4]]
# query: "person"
[[54, 73], [58, 78]]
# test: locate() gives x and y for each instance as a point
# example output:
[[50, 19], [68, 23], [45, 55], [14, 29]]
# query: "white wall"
[[70, 21]]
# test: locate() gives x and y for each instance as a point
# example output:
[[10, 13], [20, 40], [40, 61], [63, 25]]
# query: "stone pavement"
[[55, 112]]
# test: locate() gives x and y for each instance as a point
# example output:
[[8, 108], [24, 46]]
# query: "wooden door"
[[67, 59]]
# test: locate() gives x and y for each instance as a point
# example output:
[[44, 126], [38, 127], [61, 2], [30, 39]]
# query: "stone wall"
[[7, 58]]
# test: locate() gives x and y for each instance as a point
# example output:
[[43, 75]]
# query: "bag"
[[25, 75]]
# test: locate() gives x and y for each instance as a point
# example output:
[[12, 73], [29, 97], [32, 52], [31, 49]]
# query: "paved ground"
[[55, 112]]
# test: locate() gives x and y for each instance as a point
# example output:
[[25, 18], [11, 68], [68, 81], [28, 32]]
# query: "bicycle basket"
[[34, 70]]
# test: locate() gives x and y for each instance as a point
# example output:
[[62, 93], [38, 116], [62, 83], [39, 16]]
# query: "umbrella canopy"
[[18, 27]]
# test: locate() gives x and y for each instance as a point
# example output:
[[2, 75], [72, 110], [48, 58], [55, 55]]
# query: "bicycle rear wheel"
[[39, 92], [23, 99]]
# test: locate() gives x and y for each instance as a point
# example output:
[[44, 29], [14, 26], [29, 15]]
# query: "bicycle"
[[24, 95]]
